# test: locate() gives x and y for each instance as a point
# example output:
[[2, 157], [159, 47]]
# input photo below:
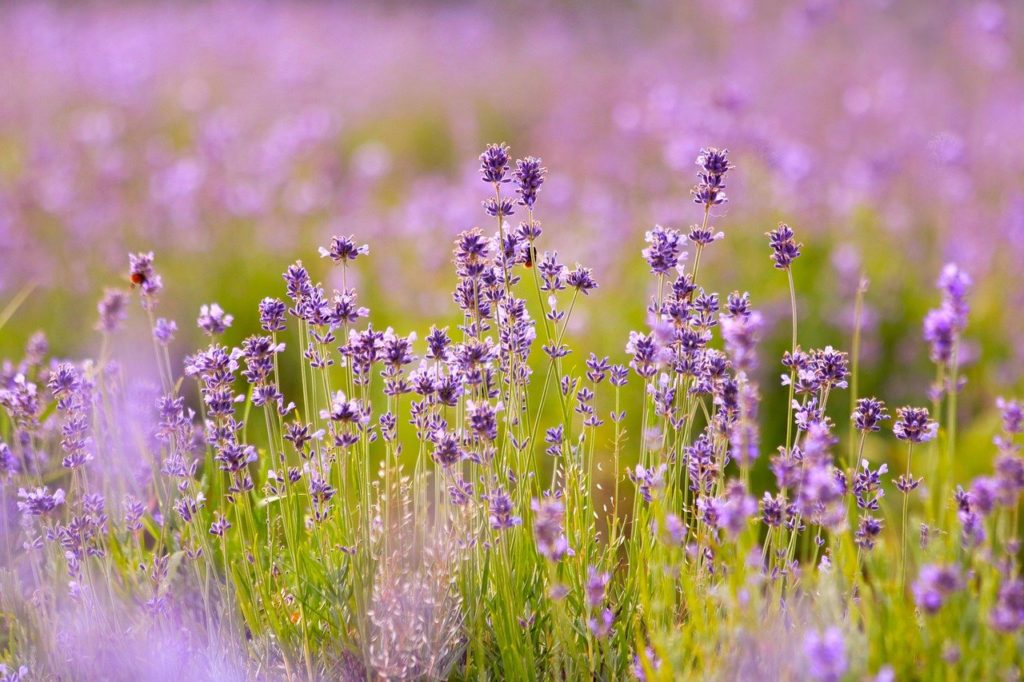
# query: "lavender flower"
[[141, 273], [344, 249], [785, 249], [529, 176], [666, 247], [548, 516], [914, 425], [869, 414], [597, 583], [164, 330], [501, 508], [113, 309], [1008, 613], [213, 320], [272, 312], [39, 501], [494, 163], [934, 585], [581, 280], [825, 654], [714, 164]]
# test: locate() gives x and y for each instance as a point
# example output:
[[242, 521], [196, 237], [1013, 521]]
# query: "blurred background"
[[232, 138]]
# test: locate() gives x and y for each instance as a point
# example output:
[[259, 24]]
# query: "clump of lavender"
[[340, 498]]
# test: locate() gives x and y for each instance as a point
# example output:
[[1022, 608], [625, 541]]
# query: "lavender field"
[[451, 341]]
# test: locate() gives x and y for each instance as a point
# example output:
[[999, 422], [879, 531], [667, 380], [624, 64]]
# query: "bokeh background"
[[232, 138]]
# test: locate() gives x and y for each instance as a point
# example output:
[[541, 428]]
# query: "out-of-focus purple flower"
[[730, 512], [548, 516], [1012, 412], [344, 249], [19, 674], [142, 274], [934, 585], [597, 583], [648, 481], [213, 320], [825, 653], [1008, 613], [741, 333], [940, 331], [529, 176], [113, 309], [601, 625], [869, 414], [785, 249], [914, 425], [164, 330]]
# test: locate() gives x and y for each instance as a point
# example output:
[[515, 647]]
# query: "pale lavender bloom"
[[597, 583], [142, 274], [825, 654], [213, 320], [934, 585], [19, 674], [548, 516], [1008, 613], [1013, 415], [39, 501], [113, 309], [164, 330], [601, 625]]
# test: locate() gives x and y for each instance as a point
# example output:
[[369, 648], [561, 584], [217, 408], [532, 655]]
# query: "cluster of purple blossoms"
[[213, 320], [74, 394], [935, 584], [1008, 613], [730, 512], [600, 624], [112, 309], [501, 508], [710, 188], [914, 425], [665, 250], [943, 325], [869, 414], [344, 249], [548, 530], [785, 248], [529, 176], [258, 353], [39, 501], [825, 654], [142, 275], [164, 330]]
